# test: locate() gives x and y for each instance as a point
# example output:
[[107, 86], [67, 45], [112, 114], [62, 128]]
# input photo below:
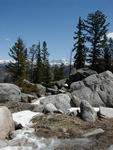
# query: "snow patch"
[[24, 117]]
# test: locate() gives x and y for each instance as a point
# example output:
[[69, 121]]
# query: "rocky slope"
[[48, 119]]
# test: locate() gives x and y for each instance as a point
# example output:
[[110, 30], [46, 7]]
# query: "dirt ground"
[[64, 126]]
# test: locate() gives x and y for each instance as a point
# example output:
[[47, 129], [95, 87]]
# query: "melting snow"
[[24, 117]]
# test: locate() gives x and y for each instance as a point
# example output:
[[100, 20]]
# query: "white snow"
[[24, 117], [4, 61]]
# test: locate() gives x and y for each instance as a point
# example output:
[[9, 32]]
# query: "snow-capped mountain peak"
[[52, 63], [59, 62], [4, 61]]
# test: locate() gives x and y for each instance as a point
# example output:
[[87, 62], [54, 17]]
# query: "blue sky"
[[50, 20]]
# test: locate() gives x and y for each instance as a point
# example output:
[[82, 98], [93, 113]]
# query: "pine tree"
[[110, 45], [96, 27], [38, 67], [46, 71], [47, 75], [107, 54], [56, 73], [61, 71], [18, 66], [45, 54], [79, 46]]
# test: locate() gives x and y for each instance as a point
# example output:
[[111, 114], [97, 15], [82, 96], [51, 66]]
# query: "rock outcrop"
[[42, 89], [9, 92], [81, 74], [87, 112], [6, 122], [50, 108], [60, 101], [97, 89], [27, 98]]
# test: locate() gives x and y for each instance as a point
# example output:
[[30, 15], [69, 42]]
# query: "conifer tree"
[[96, 27], [56, 73], [46, 71], [79, 46], [46, 74], [18, 66], [45, 54], [61, 71], [110, 45], [108, 53], [38, 67]]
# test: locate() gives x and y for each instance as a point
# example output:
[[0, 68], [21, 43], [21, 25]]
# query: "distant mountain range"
[[66, 62], [3, 73]]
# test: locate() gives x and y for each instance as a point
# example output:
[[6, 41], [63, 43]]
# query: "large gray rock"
[[87, 112], [27, 98], [110, 148], [6, 122], [9, 92], [80, 74], [52, 91], [42, 89], [61, 83], [60, 101], [75, 101], [97, 89], [50, 108]]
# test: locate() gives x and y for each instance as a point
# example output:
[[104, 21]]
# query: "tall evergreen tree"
[[18, 66], [45, 54], [107, 54], [46, 71], [110, 45], [96, 27], [56, 73], [38, 67], [46, 74], [61, 71], [79, 46]]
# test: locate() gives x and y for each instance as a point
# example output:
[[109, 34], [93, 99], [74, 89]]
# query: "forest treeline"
[[33, 64], [91, 46]]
